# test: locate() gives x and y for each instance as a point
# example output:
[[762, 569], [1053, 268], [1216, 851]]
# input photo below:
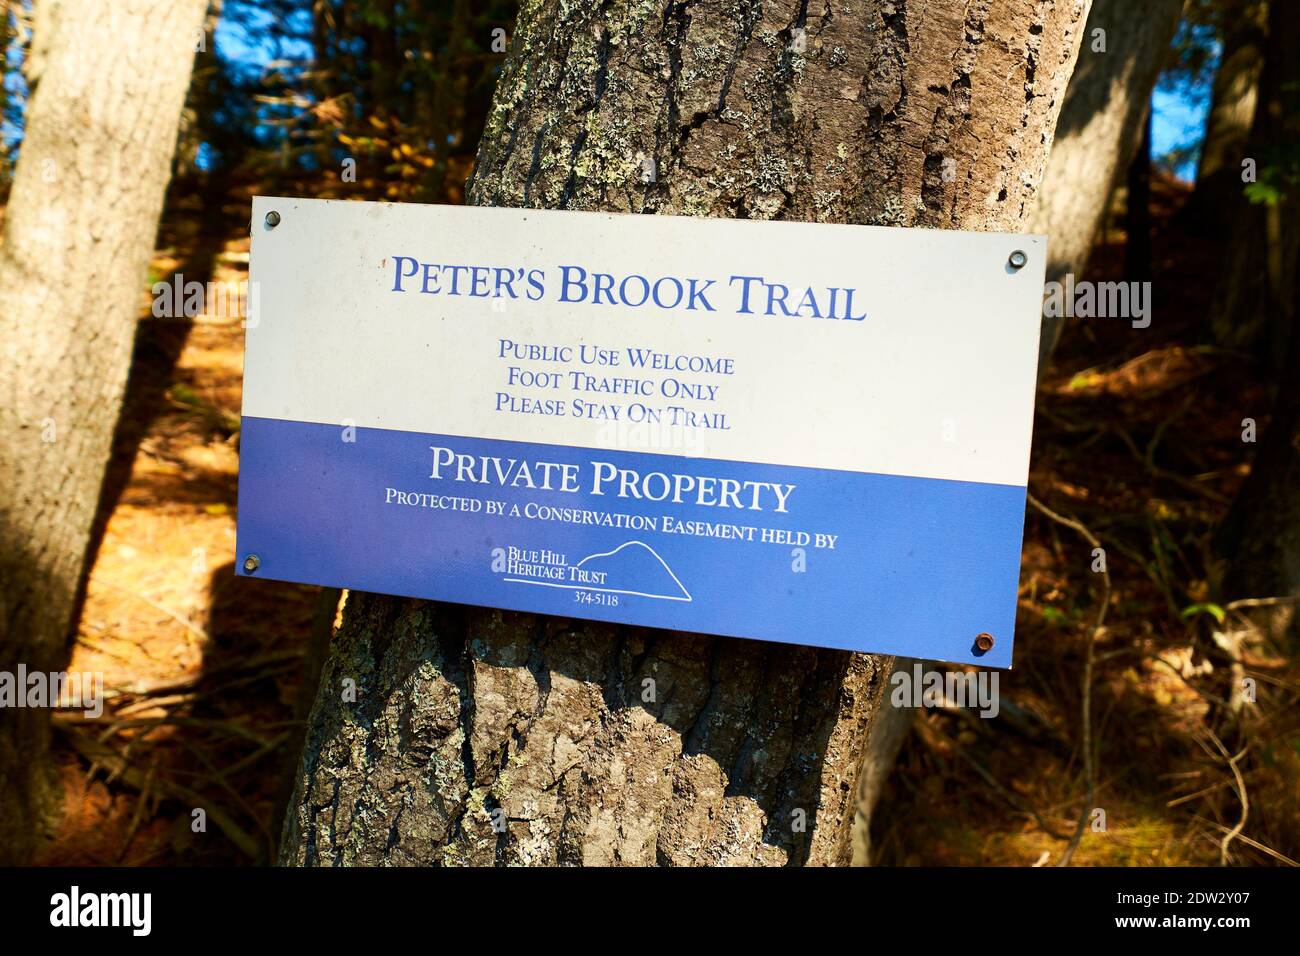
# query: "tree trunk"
[[87, 193], [1232, 111], [448, 91], [1254, 303], [888, 732], [1137, 211], [607, 744], [1259, 539], [1099, 132], [6, 38]]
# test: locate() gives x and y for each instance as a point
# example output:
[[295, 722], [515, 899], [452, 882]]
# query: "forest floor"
[[1138, 437]]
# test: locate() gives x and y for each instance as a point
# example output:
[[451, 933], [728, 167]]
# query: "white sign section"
[[797, 432]]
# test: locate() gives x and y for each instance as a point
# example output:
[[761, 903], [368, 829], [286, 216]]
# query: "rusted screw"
[[252, 563], [984, 642]]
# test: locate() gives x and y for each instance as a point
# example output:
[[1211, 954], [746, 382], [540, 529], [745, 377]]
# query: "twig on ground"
[[993, 782], [119, 769], [1280, 857], [1147, 460], [1098, 628], [1241, 794], [188, 625], [1260, 602]]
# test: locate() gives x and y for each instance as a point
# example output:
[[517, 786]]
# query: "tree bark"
[[1099, 132], [6, 38], [1232, 111], [887, 734], [1253, 306], [1137, 210], [896, 113], [1259, 539], [79, 229]]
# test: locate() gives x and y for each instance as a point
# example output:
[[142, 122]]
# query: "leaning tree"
[[100, 130], [1099, 132]]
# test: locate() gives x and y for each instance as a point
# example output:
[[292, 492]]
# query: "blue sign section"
[[865, 562]]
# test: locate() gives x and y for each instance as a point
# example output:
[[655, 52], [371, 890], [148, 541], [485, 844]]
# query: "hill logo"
[[633, 568]]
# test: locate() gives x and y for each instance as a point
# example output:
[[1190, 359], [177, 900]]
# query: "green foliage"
[[371, 98], [1195, 52], [1214, 610], [403, 89]]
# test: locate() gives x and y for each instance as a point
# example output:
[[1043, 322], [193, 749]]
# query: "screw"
[[272, 219], [1018, 260], [252, 563], [984, 642]]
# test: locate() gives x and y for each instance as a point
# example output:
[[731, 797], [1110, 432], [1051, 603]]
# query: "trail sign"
[[796, 432]]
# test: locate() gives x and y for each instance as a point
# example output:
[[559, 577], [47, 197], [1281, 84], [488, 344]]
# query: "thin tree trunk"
[[888, 732], [80, 226], [1137, 212], [448, 91], [6, 37], [1259, 540], [1254, 303], [1099, 132], [607, 744], [1232, 111]]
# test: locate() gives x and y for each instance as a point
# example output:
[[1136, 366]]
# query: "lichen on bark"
[[873, 112]]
